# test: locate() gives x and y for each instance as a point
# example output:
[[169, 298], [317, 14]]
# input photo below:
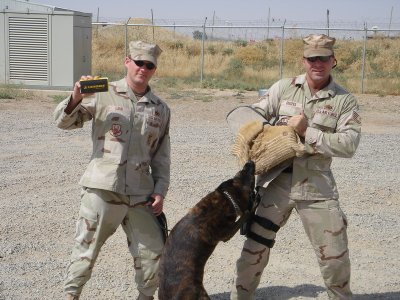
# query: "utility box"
[[42, 45]]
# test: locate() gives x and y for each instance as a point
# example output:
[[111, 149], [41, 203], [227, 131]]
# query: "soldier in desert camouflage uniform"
[[129, 163], [326, 117]]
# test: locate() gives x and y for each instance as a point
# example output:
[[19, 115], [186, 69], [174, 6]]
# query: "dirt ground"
[[40, 167]]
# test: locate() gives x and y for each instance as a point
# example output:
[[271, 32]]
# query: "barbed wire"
[[219, 28], [382, 23]]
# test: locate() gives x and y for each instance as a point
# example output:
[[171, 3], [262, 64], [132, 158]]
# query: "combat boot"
[[72, 297], [144, 297]]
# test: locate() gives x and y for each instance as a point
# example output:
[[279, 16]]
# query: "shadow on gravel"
[[304, 290], [386, 296], [280, 292]]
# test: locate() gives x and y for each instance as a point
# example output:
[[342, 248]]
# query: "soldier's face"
[[139, 75], [318, 70]]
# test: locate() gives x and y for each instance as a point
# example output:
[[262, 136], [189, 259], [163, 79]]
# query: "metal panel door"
[[82, 51], [28, 50]]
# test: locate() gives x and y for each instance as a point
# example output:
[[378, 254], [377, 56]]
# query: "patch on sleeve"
[[355, 116]]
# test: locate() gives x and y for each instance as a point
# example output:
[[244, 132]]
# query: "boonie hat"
[[318, 45], [143, 51]]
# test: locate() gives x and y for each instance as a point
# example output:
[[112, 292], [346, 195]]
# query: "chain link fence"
[[227, 32]]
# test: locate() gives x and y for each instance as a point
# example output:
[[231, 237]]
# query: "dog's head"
[[220, 214], [239, 193], [247, 175], [241, 186]]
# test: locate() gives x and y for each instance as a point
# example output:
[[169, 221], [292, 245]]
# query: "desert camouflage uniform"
[[130, 161], [334, 131]]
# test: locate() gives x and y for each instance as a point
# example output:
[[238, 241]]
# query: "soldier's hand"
[[299, 124], [76, 94], [156, 203]]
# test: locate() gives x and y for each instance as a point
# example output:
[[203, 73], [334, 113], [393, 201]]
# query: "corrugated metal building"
[[43, 46]]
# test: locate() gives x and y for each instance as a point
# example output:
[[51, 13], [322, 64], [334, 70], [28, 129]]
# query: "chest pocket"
[[324, 119], [288, 108], [150, 122]]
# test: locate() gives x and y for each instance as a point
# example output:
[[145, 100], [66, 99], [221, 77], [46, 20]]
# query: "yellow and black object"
[[94, 85]]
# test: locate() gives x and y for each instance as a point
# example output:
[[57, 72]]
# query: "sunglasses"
[[320, 58], [141, 63]]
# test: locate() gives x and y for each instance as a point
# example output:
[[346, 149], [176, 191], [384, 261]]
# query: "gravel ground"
[[40, 166]]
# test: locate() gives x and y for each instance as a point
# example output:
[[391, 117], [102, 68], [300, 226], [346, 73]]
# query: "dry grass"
[[243, 65]]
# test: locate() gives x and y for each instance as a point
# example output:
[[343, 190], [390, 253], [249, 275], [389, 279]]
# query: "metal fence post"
[[363, 58], [202, 51], [126, 37], [282, 41]]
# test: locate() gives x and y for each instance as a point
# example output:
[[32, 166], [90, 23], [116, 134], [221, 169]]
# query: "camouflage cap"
[[139, 50], [318, 45]]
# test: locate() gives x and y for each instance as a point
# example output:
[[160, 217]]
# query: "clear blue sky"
[[370, 11]]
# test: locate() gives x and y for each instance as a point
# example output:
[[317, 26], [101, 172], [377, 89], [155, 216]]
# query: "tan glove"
[[266, 145], [244, 140]]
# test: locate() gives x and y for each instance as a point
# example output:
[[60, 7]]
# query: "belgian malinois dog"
[[216, 217]]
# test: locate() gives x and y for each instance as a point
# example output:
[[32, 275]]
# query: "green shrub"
[[174, 45], [235, 68], [371, 53], [240, 43], [212, 49], [9, 92], [251, 55], [227, 51]]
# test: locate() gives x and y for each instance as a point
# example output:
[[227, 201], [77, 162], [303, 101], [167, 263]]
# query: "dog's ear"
[[226, 184]]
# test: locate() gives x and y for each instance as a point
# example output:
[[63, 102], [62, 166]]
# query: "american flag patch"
[[356, 117]]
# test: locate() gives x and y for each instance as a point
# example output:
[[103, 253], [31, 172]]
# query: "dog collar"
[[241, 216], [235, 205]]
